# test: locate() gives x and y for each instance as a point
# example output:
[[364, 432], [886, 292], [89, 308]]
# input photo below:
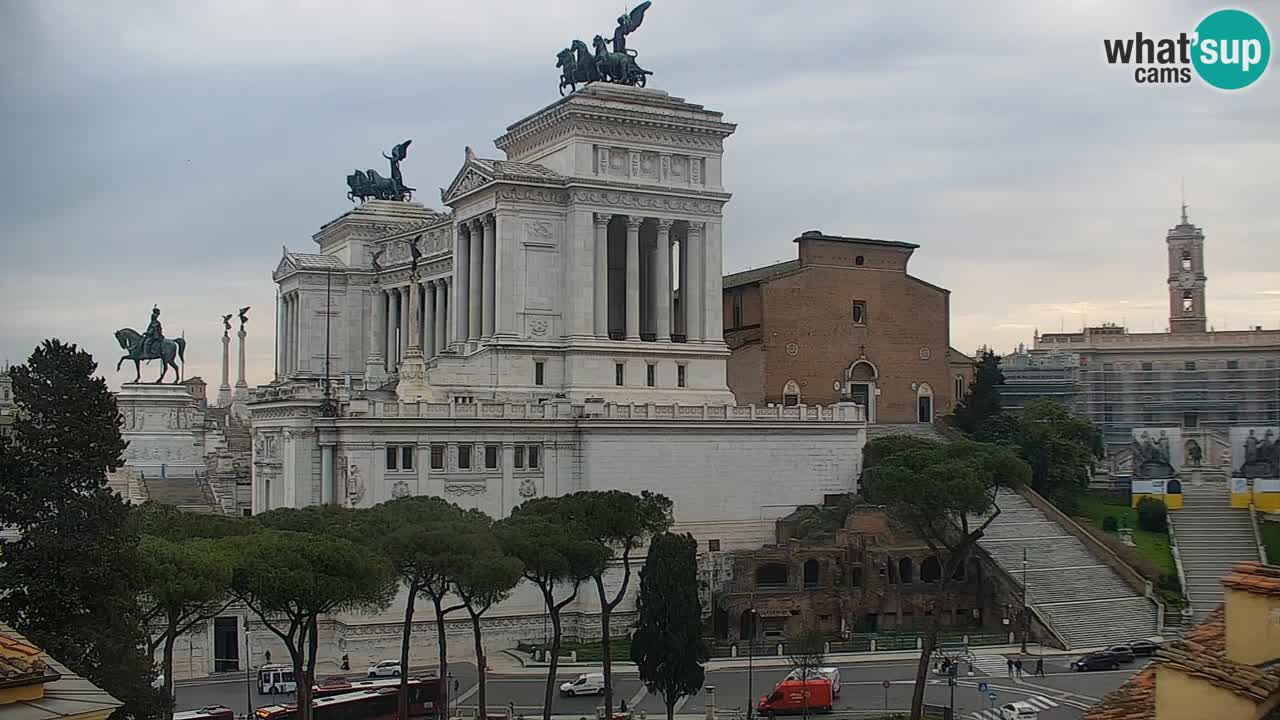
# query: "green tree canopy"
[[1061, 448], [71, 576], [667, 646], [982, 401], [487, 578], [557, 556], [289, 579]]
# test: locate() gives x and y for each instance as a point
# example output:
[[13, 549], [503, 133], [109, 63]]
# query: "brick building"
[[844, 321]]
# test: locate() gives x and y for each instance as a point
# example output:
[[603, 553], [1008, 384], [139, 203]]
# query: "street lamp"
[[751, 667]]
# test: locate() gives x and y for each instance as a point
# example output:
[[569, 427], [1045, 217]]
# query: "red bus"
[[342, 686], [369, 704], [208, 712]]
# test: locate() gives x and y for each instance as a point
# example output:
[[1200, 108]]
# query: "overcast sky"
[[162, 153]]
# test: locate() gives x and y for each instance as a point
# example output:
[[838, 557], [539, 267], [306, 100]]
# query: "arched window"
[[1188, 302], [791, 394], [1186, 259], [811, 572], [772, 575], [906, 573], [959, 388], [930, 570], [924, 403], [862, 378]]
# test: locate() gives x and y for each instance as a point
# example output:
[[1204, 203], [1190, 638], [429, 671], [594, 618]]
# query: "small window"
[[859, 313], [464, 399], [1190, 420], [859, 261], [464, 457], [393, 454], [245, 512], [737, 308], [1146, 367], [518, 459], [538, 367], [617, 374], [1186, 260], [1189, 365], [713, 546], [437, 457], [680, 376], [1188, 303], [649, 373], [491, 457], [959, 387], [534, 452], [1233, 364], [406, 457]]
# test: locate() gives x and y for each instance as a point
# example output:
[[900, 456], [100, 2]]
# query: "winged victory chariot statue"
[[578, 64], [365, 184]]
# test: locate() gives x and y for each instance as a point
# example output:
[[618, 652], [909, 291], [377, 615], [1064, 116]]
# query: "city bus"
[[208, 712], [276, 678], [369, 704]]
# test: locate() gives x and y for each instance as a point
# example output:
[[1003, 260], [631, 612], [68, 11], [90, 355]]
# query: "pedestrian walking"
[[1017, 665], [1010, 662], [1040, 667]]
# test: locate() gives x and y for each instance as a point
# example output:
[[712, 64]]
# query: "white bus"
[[274, 679]]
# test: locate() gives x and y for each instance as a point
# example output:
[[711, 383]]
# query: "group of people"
[[1015, 667]]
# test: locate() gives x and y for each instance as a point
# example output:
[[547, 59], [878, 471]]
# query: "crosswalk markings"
[[989, 664], [1039, 702]]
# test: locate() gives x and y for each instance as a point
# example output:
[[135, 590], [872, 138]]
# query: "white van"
[[1019, 711], [831, 674], [586, 684], [273, 679]]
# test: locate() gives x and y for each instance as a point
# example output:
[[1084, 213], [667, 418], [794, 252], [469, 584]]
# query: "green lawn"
[[1151, 547], [1271, 539], [619, 650]]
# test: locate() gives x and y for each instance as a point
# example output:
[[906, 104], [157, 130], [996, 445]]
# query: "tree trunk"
[[481, 662], [606, 610], [442, 645], [671, 707], [169, 638], [402, 702], [300, 678], [554, 664]]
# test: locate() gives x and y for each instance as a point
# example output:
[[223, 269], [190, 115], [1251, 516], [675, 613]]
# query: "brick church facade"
[[844, 321]]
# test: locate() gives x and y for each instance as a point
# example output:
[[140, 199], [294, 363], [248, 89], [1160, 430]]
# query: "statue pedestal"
[[413, 386], [375, 372], [162, 424]]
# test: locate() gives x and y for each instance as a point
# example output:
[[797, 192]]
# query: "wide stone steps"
[[1076, 593], [183, 493], [1212, 537]]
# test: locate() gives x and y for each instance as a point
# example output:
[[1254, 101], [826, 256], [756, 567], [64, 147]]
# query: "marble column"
[[662, 282], [293, 332], [682, 252], [374, 362], [429, 320], [443, 334], [242, 388], [601, 276], [389, 341], [402, 314], [224, 390], [633, 277], [462, 292], [475, 294], [693, 298], [328, 486], [712, 284], [280, 338], [490, 294], [414, 290]]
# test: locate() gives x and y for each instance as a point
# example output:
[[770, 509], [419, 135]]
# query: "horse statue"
[[365, 184], [131, 342], [617, 67], [577, 66]]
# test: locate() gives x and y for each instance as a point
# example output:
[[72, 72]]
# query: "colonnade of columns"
[[476, 270], [415, 315], [292, 353], [658, 253]]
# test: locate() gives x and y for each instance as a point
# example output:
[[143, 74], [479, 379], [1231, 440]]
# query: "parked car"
[[1144, 648], [586, 684], [1018, 711], [1096, 661], [1124, 653], [795, 696], [832, 674], [386, 668]]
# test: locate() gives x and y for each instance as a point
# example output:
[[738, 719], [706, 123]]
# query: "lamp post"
[[248, 685], [1025, 623], [751, 667]]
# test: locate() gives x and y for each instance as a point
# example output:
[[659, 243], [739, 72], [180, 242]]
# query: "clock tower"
[[1186, 277]]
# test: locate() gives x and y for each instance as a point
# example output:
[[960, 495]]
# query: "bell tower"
[[1186, 277]]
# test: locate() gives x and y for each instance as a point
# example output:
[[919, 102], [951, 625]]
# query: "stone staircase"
[[1212, 536], [1075, 592], [185, 493]]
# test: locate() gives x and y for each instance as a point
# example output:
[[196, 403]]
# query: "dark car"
[[1144, 648], [1096, 661], [1123, 653]]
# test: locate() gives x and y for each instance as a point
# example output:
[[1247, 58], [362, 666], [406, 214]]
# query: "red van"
[[793, 696]]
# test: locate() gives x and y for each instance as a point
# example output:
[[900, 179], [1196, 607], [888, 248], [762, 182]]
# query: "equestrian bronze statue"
[[151, 345]]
